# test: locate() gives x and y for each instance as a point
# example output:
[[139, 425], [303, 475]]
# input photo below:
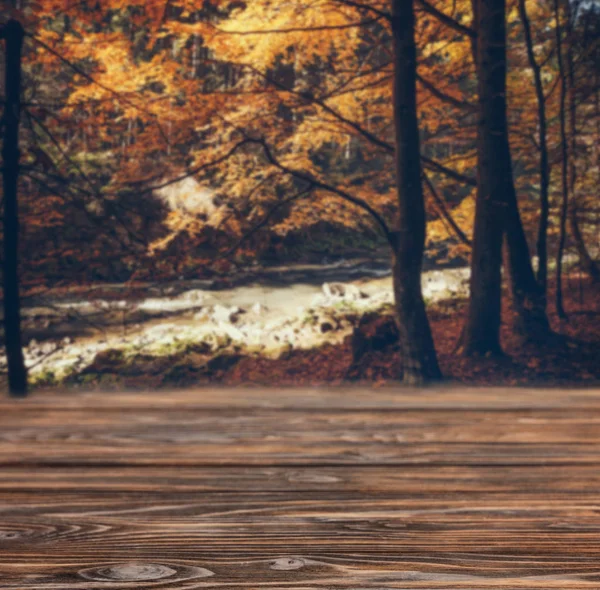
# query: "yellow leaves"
[[176, 87], [186, 30], [463, 216], [322, 205], [293, 31]]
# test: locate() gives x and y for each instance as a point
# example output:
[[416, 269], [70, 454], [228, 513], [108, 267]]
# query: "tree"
[[544, 167], [560, 310], [497, 212], [482, 329], [12, 33], [418, 351], [573, 12]]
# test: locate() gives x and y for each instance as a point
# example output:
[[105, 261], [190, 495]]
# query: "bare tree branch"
[[441, 206], [265, 220], [366, 7], [326, 187], [446, 20], [371, 137]]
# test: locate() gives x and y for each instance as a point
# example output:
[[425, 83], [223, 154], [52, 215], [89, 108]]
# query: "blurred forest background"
[[273, 192]]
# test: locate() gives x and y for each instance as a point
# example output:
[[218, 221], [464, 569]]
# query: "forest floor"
[[571, 357], [209, 344]]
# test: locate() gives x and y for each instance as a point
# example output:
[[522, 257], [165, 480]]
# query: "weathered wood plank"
[[315, 400], [373, 489], [198, 437], [359, 480]]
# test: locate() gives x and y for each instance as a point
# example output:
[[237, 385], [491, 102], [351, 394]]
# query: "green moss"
[[45, 378]]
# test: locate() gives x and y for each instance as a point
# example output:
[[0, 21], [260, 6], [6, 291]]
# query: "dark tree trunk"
[[542, 237], [497, 211], [481, 335], [588, 264], [528, 297], [17, 374], [560, 310], [529, 301], [419, 359]]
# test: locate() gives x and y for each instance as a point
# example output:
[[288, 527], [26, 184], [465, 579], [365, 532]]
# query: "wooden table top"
[[301, 489]]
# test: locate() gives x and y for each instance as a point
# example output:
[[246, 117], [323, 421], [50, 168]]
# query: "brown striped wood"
[[301, 489]]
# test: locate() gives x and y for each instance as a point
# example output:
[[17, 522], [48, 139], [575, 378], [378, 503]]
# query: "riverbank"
[[294, 324], [70, 331], [321, 347]]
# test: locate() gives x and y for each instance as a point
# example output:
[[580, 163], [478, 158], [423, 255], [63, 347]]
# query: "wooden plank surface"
[[301, 489]]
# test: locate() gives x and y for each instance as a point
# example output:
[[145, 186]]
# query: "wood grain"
[[301, 489]]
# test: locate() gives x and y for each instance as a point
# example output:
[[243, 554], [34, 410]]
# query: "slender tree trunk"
[[560, 310], [418, 352], [481, 334], [542, 237], [528, 298], [17, 373], [590, 266], [587, 263]]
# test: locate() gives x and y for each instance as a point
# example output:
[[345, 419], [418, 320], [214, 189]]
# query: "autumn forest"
[[293, 192]]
